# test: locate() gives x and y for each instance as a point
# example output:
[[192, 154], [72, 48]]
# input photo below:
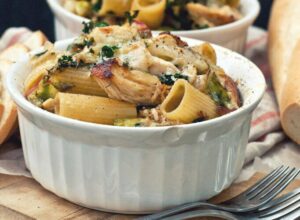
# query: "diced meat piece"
[[132, 86]]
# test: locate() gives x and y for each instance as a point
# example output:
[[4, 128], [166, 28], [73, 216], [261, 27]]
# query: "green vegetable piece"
[[217, 92], [170, 79], [101, 24], [46, 91]]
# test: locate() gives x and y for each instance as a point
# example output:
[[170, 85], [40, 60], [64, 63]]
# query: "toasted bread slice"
[[8, 110], [9, 117], [35, 40], [14, 53]]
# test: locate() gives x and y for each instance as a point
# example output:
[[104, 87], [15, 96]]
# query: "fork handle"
[[203, 213], [178, 209]]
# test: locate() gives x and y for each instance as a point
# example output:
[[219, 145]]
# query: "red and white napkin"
[[265, 132]]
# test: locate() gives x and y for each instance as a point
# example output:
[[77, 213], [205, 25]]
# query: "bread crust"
[[36, 40], [8, 109], [9, 117], [284, 53]]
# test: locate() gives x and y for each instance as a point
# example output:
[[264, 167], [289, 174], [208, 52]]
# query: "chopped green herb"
[[89, 42], [130, 17], [67, 61], [169, 79], [89, 26], [101, 24], [79, 44], [108, 51]]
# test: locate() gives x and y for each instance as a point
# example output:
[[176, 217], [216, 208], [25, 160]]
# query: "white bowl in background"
[[232, 36], [137, 170]]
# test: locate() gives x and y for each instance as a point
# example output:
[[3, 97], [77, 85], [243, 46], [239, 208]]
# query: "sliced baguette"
[[14, 52], [284, 54], [35, 40], [9, 117]]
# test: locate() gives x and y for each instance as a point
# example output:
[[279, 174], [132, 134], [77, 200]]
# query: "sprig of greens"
[[89, 26], [130, 17], [170, 79], [67, 61]]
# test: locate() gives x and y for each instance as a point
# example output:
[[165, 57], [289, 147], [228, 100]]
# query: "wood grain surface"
[[24, 198]]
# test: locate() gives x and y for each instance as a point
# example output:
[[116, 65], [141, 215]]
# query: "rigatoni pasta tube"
[[185, 103], [79, 80], [118, 7], [93, 108], [207, 51], [151, 12], [40, 66]]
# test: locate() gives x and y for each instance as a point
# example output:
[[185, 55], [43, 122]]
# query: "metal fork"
[[285, 207], [253, 198]]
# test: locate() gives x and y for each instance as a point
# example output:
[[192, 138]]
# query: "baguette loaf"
[[284, 58]]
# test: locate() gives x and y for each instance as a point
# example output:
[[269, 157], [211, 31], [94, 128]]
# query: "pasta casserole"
[[159, 14], [121, 75]]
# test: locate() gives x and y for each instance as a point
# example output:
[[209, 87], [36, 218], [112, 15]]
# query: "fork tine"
[[293, 215], [267, 183], [280, 185], [280, 204], [279, 200], [271, 175], [291, 207]]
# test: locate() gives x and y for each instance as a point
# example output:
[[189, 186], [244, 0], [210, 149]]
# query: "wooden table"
[[24, 198]]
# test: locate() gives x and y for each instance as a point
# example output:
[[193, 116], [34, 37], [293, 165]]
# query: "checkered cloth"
[[265, 130]]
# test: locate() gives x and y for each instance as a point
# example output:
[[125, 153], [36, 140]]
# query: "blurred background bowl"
[[232, 36]]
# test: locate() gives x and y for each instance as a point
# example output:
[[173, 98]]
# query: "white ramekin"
[[232, 36], [136, 170]]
